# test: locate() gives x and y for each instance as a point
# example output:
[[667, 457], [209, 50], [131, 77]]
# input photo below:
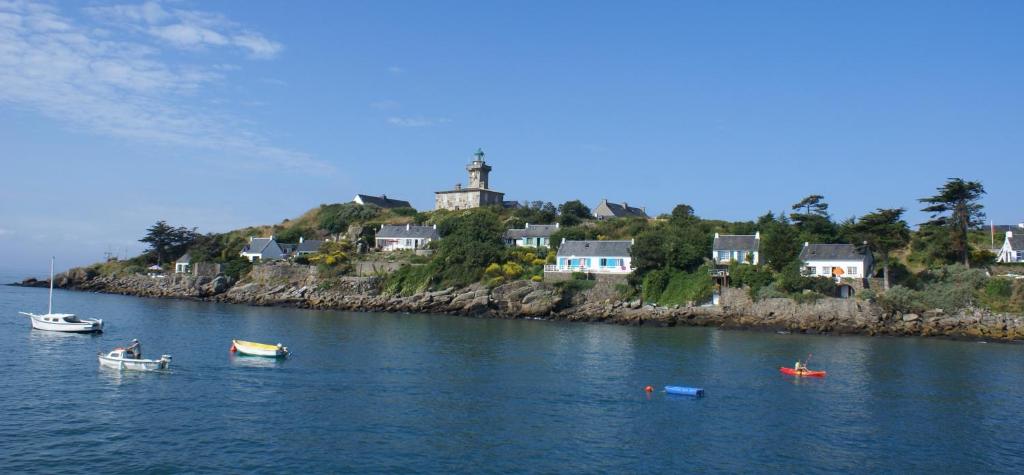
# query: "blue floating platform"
[[685, 391]]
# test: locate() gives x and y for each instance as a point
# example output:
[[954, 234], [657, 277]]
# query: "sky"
[[224, 114]]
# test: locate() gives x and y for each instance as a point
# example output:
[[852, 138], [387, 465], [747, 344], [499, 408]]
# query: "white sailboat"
[[62, 322]]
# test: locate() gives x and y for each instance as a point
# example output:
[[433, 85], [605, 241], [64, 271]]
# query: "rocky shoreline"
[[299, 286]]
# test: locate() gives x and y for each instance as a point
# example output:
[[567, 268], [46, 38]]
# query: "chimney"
[[250, 238], [300, 239], [527, 225], [458, 186], [716, 235], [563, 240], [435, 226], [632, 240], [806, 244], [625, 205], [556, 226], [408, 226], [382, 227], [384, 196], [1009, 234], [757, 234]]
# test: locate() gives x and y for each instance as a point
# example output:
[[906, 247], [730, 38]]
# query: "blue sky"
[[225, 114]]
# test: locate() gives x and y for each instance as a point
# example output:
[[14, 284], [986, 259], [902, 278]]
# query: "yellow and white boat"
[[259, 349]]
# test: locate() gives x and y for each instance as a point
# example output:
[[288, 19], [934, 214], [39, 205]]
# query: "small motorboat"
[[62, 322], [130, 358], [802, 372], [259, 349]]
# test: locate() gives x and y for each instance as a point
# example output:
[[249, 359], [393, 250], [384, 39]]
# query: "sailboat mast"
[[49, 308]]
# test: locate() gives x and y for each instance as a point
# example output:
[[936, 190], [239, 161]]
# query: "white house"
[[183, 264], [538, 235], [742, 248], [262, 249], [837, 261], [600, 257], [393, 238], [1013, 248]]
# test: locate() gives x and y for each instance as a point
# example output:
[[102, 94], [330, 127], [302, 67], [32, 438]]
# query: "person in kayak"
[[799, 367]]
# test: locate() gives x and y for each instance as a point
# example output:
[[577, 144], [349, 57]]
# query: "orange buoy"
[[649, 389]]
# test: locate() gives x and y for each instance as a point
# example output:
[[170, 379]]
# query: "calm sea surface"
[[415, 393]]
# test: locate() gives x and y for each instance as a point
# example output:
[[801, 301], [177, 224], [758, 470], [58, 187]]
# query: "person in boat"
[[799, 367], [134, 350]]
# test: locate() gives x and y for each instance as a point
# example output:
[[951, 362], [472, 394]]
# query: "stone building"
[[475, 195]]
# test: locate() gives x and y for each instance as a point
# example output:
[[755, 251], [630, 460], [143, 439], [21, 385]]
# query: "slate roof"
[[595, 248], [406, 232], [532, 231], [832, 252], [383, 201], [185, 259], [257, 245], [309, 245], [1017, 242], [623, 210], [736, 242]]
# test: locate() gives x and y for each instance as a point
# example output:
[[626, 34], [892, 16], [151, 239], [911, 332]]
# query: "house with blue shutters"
[[537, 235], [592, 257]]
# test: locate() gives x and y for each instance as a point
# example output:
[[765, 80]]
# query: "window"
[[610, 262], [851, 271], [723, 256], [408, 243], [1020, 255], [809, 270], [826, 270]]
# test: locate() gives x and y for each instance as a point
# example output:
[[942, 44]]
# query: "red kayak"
[[803, 372]]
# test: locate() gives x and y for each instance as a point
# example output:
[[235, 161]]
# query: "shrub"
[[770, 291], [685, 287], [237, 267], [536, 278], [512, 270], [754, 277], [408, 280], [654, 284], [999, 288], [901, 299]]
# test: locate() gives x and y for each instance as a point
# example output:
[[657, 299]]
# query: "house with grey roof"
[[183, 265], [593, 257], [381, 201], [307, 246], [1013, 247], [841, 262], [262, 249], [409, 236], [537, 235], [742, 248], [607, 210]]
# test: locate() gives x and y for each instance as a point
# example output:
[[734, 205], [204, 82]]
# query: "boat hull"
[[128, 364], [56, 324], [802, 373], [258, 349]]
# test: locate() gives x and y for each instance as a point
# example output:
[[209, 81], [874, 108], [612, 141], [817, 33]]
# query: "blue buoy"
[[684, 391]]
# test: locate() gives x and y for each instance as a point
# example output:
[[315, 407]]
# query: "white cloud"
[[117, 87], [186, 29], [417, 121]]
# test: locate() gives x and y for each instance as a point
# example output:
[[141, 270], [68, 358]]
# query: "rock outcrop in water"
[[299, 286]]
